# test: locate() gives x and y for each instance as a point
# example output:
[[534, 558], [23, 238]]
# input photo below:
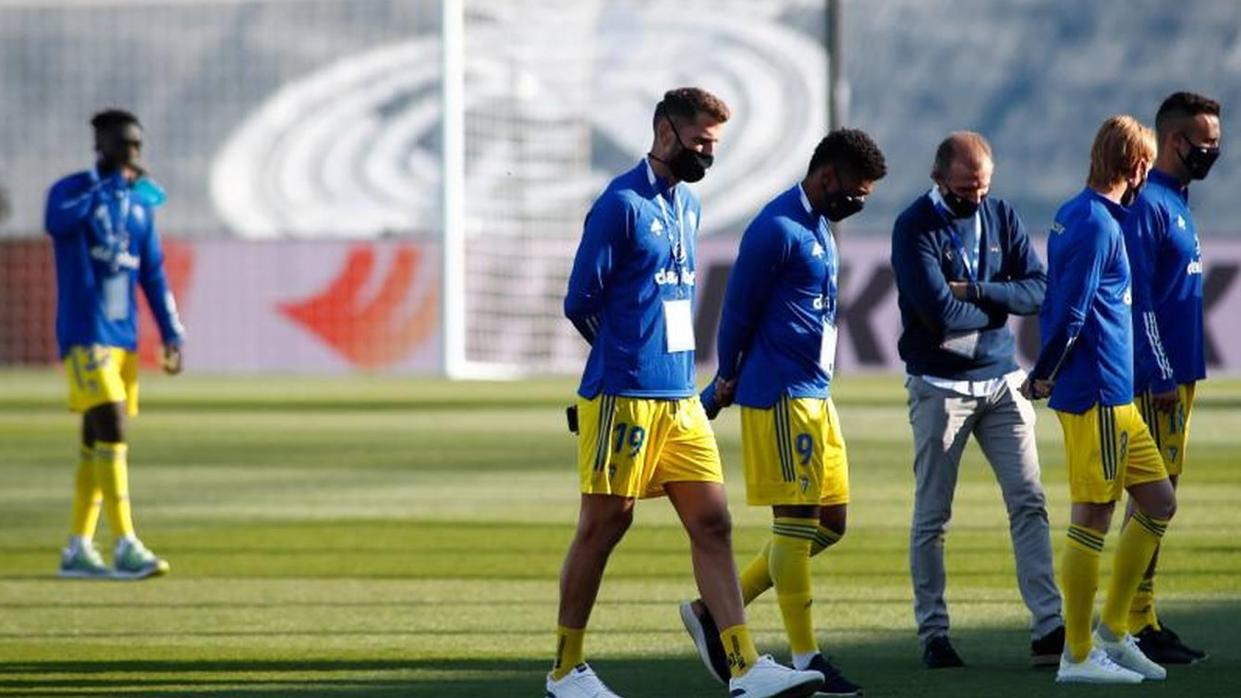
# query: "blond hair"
[[1122, 142]]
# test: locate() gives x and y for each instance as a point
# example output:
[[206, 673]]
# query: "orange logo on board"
[[373, 331]]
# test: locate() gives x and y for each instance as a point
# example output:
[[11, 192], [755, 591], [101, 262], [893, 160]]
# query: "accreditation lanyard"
[[969, 262], [823, 235], [113, 228], [679, 256]]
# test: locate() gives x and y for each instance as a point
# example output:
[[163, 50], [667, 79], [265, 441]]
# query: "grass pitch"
[[388, 537]]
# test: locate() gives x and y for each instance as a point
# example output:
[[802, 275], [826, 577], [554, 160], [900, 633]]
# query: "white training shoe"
[[767, 679], [1126, 653], [1095, 668], [581, 682]]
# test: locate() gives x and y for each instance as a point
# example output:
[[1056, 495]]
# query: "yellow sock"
[[824, 538], [1079, 579], [112, 474], [86, 496], [756, 577], [790, 570], [1138, 540], [568, 650], [739, 647], [1142, 610]]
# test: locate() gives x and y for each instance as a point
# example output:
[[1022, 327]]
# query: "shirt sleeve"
[[1145, 229], [67, 208], [607, 227], [1024, 281], [1078, 282], [155, 287], [763, 251], [921, 283]]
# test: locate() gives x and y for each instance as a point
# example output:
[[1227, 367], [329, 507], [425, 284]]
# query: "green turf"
[[381, 537]]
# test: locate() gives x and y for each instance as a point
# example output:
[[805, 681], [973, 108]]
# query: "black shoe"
[[1163, 646], [835, 684], [938, 654], [1046, 650], [706, 636]]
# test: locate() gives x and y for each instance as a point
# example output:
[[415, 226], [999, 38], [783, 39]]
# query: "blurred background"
[[300, 143]]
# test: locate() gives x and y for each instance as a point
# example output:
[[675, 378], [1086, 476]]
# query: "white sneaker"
[[1125, 652], [767, 679], [1095, 668], [581, 682]]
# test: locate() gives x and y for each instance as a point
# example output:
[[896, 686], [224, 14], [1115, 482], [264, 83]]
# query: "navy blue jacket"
[[1010, 281]]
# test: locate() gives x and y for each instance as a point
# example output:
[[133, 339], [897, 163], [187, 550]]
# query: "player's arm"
[[763, 251], [68, 205], [606, 229], [1144, 228], [159, 297], [1077, 285], [920, 280], [1025, 279]]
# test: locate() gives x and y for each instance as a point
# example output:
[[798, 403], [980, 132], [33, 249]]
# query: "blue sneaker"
[[132, 560], [82, 561]]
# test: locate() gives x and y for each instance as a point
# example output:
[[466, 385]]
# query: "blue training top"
[[1086, 322], [1166, 262], [778, 325], [631, 291], [105, 245]]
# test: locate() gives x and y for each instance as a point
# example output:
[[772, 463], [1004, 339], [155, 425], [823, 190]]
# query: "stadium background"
[[341, 524], [309, 131]]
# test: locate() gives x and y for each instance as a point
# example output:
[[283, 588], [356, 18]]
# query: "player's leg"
[[941, 423], [1170, 431], [612, 456], [1146, 480], [80, 558], [1005, 433], [1095, 479], [95, 384], [689, 471], [703, 508], [760, 446], [602, 522]]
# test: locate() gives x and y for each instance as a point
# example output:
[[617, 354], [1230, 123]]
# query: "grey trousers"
[[1003, 424]]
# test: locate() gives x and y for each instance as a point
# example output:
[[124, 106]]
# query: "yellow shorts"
[[1170, 431], [99, 375], [794, 454], [632, 447], [1109, 449]]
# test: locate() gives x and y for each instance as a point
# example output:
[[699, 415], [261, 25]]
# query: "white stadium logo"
[[352, 149]]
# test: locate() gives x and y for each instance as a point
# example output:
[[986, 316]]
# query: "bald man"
[[963, 265]]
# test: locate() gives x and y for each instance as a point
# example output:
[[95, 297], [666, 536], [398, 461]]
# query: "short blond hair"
[[1122, 142]]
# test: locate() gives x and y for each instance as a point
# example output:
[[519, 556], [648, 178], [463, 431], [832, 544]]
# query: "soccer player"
[[777, 351], [103, 234], [1166, 262], [643, 430], [1085, 365], [963, 266]]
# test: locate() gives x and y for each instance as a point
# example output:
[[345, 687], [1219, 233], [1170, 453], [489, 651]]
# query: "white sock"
[[124, 542], [802, 661], [77, 543]]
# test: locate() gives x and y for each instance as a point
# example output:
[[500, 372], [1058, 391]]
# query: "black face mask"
[[1199, 159], [687, 165], [839, 206], [1131, 193], [960, 206]]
